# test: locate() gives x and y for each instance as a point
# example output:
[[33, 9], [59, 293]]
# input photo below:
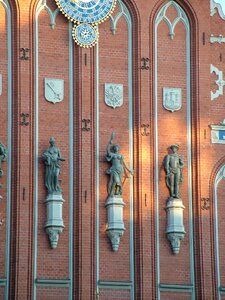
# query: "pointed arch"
[[187, 16]]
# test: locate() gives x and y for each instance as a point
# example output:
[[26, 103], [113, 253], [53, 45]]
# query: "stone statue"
[[3, 157], [174, 164], [52, 158], [117, 170]]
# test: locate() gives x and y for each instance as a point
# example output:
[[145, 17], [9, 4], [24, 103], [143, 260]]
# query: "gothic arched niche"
[[53, 106], [173, 121], [114, 76]]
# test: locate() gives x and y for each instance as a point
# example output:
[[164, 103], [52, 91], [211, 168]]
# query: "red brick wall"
[[3, 134]]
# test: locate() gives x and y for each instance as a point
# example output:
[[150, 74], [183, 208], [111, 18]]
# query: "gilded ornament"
[[86, 14]]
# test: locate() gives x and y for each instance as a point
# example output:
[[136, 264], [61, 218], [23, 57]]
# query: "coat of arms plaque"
[[54, 90], [172, 99], [114, 94]]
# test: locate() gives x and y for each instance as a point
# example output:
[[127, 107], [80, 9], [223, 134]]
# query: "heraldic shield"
[[114, 94], [54, 90], [172, 99]]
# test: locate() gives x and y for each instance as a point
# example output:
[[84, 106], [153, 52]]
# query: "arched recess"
[[53, 271], [117, 63], [175, 27], [9, 136], [217, 228]]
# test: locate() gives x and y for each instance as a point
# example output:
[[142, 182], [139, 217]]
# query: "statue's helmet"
[[174, 146], [52, 140]]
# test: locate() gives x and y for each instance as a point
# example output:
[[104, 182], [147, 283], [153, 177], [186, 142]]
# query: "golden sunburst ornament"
[[86, 14]]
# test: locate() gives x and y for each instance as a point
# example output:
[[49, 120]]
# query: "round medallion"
[[86, 11], [85, 35]]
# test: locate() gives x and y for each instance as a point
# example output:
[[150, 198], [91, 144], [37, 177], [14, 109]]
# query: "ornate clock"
[[86, 14]]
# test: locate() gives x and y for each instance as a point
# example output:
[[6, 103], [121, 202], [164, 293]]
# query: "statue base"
[[175, 227], [115, 225], [54, 223]]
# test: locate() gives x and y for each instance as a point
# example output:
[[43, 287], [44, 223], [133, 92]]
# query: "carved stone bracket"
[[217, 39], [115, 226], [219, 82], [175, 239], [175, 227], [54, 224]]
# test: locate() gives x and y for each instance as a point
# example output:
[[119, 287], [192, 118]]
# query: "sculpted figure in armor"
[[52, 158], [117, 170], [174, 164]]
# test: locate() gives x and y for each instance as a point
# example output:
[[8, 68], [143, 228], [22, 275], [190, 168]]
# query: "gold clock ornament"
[[86, 14]]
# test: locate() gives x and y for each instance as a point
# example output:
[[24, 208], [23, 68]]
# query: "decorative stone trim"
[[181, 16], [219, 82], [217, 39], [52, 14], [220, 8]]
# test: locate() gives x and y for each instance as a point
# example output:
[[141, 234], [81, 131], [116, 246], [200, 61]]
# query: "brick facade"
[[83, 266]]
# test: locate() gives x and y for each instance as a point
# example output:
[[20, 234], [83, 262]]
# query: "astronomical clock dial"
[[86, 14], [86, 11], [85, 35]]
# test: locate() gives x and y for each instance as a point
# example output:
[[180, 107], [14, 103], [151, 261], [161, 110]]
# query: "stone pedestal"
[[54, 223], [175, 227], [115, 225]]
